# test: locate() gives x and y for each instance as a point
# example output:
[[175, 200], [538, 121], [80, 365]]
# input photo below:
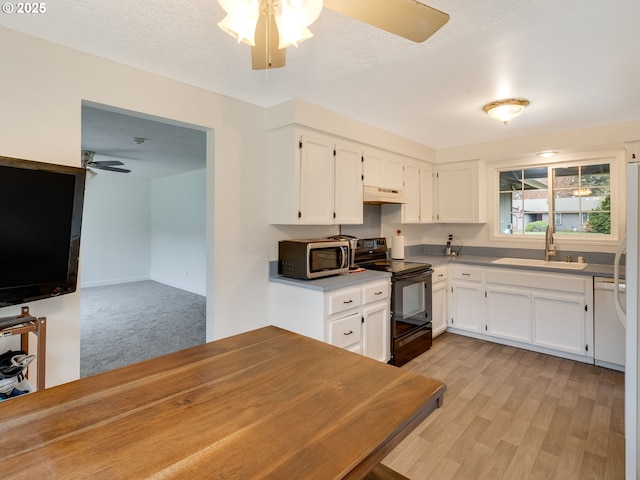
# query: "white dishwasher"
[[609, 332]]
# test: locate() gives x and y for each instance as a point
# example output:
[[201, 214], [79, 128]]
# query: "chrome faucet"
[[549, 247]]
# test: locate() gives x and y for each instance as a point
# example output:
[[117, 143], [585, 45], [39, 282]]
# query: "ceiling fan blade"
[[106, 163], [406, 18], [266, 53], [112, 169]]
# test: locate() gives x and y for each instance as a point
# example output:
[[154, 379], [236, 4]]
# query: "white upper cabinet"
[[461, 192], [314, 179], [348, 183], [411, 210], [418, 193], [383, 169]]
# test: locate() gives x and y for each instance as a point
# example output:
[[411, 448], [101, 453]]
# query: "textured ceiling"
[[577, 61], [166, 149]]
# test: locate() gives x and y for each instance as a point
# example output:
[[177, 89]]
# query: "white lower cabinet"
[[508, 314], [439, 300], [543, 311], [375, 334], [355, 318], [559, 323], [467, 290]]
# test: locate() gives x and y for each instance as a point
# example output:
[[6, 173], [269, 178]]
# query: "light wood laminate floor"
[[514, 414]]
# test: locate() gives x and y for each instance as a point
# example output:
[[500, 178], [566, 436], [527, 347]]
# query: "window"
[[583, 193], [558, 219], [524, 200], [576, 197]]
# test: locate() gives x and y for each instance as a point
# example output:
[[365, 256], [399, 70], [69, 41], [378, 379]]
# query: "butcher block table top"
[[263, 404]]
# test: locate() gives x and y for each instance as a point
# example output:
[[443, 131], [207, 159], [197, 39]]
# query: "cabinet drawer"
[[373, 293], [343, 300], [439, 274], [346, 331], [463, 272]]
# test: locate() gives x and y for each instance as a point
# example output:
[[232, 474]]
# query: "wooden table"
[[264, 404]]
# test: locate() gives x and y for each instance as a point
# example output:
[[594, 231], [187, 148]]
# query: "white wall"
[[178, 233], [44, 86], [116, 230]]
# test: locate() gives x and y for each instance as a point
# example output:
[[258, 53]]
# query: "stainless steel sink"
[[534, 262]]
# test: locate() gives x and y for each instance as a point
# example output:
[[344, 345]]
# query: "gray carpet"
[[126, 323]]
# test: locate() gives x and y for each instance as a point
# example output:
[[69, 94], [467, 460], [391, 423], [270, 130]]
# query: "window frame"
[[616, 161]]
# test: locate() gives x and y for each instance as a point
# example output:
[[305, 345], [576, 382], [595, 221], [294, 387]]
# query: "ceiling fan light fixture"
[[506, 110], [292, 19], [243, 29]]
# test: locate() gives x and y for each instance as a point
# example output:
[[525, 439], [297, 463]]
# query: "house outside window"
[[576, 197]]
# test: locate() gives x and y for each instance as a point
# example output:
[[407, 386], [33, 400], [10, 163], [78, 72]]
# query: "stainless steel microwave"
[[309, 259]]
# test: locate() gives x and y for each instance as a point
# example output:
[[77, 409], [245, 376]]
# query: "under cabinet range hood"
[[381, 195]]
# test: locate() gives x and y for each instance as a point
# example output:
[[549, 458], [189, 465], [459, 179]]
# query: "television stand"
[[22, 325]]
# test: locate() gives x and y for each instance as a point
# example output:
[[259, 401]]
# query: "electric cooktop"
[[372, 255]]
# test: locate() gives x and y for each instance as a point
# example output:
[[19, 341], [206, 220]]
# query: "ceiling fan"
[[111, 165], [267, 25]]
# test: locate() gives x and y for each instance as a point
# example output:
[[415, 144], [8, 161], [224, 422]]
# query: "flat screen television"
[[40, 224]]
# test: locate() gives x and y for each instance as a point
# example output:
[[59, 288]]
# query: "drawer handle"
[[348, 333], [378, 293], [466, 274], [442, 274], [347, 301]]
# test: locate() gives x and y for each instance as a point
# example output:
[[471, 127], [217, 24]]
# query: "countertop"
[[352, 279], [266, 404], [335, 281], [592, 269]]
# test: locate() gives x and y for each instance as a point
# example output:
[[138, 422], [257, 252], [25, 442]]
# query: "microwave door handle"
[[345, 257]]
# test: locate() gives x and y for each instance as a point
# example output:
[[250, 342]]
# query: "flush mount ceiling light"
[[270, 26], [505, 110], [547, 154]]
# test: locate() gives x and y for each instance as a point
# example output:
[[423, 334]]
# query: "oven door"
[[410, 316], [410, 303]]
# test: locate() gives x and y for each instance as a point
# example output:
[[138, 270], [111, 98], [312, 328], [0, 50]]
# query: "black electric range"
[[371, 254], [411, 332]]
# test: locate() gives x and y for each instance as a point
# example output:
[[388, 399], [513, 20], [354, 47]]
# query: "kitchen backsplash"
[[371, 226], [589, 257]]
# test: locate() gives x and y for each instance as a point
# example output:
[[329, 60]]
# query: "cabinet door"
[[373, 169], [559, 323], [455, 194], [411, 209], [376, 342], [393, 172], [348, 185], [426, 194], [461, 192], [382, 169], [466, 303], [508, 314], [439, 306], [316, 181]]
